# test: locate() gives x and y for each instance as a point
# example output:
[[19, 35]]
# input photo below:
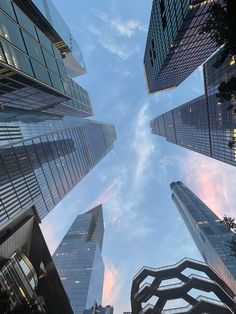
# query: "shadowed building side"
[[175, 47]]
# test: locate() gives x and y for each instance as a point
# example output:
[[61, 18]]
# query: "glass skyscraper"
[[46, 147], [175, 46], [205, 124], [210, 235], [79, 262], [49, 160]]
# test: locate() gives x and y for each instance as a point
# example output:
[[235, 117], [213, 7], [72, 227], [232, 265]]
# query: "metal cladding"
[[142, 291]]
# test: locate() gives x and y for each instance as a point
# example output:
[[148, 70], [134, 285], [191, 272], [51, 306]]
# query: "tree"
[[229, 222], [221, 26], [231, 143], [227, 90]]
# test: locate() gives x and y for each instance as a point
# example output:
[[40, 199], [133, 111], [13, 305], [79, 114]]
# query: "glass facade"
[[45, 15], [186, 126], [47, 161], [79, 262], [32, 71], [206, 124], [175, 47], [209, 234]]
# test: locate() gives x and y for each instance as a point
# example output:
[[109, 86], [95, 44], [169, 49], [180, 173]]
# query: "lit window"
[[203, 222], [232, 60]]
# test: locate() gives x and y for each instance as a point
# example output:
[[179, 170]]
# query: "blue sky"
[[142, 225]]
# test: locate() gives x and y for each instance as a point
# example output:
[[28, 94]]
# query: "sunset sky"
[[142, 225]]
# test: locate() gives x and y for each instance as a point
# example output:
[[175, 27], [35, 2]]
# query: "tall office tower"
[[206, 124], [100, 309], [175, 46], [210, 235], [45, 146], [79, 262], [179, 289], [48, 162]]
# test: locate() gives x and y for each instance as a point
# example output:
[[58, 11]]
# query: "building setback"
[[79, 262], [206, 124], [175, 47], [210, 235]]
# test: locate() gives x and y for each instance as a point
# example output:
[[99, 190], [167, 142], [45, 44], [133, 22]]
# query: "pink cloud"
[[112, 284], [106, 196], [213, 181]]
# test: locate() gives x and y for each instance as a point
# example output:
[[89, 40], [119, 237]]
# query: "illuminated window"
[[232, 60]]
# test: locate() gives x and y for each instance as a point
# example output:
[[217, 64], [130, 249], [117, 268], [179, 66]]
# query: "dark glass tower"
[[175, 47], [79, 262], [209, 234], [206, 124]]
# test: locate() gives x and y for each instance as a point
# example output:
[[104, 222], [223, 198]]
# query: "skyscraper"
[[46, 147], [175, 46], [210, 235], [171, 289], [79, 262], [49, 160], [206, 124], [100, 309]]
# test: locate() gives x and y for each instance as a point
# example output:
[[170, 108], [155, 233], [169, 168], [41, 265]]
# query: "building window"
[[162, 6], [164, 22]]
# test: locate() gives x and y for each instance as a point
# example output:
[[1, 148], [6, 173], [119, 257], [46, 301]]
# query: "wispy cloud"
[[107, 194], [143, 145], [112, 283], [213, 181], [112, 45], [126, 28]]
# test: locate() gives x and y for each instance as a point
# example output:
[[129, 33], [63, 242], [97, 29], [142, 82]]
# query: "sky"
[[142, 225]]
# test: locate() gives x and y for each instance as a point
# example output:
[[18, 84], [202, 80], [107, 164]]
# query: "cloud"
[[213, 182], [50, 236], [112, 45], [106, 196], [142, 145], [123, 28], [121, 51], [112, 283]]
